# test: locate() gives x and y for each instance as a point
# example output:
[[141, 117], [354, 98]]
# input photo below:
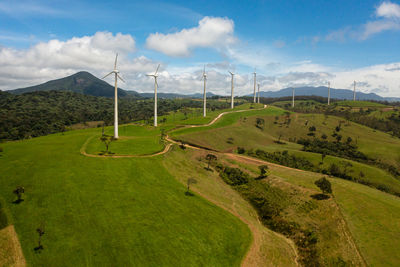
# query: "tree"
[[323, 155], [264, 171], [190, 181], [210, 157], [349, 140], [107, 139], [40, 231], [324, 136], [324, 185], [19, 191], [260, 123]]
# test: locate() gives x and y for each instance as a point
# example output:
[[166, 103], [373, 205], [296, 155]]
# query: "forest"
[[45, 112]]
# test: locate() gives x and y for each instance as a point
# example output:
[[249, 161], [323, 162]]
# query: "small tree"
[[40, 231], [264, 171], [323, 155], [260, 123], [324, 185], [210, 157], [324, 136], [107, 139], [19, 190], [190, 181]]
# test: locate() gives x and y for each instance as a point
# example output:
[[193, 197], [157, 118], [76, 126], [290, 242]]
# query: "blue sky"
[[291, 43]]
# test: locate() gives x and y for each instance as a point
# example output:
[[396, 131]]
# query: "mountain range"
[[85, 83]]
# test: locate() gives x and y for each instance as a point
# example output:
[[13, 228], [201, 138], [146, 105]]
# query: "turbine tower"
[[204, 93], [258, 99], [155, 93], [255, 81], [354, 92], [329, 93], [232, 74], [292, 97], [117, 76]]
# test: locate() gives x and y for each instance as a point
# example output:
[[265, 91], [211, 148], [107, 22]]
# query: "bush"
[[241, 150], [324, 185], [234, 176]]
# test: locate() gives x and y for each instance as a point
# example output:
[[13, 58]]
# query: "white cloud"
[[388, 10], [211, 32], [56, 59]]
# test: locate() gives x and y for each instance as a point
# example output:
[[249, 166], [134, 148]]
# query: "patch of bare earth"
[[10, 248]]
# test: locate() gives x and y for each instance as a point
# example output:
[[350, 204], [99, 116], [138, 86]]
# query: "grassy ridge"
[[111, 212], [372, 216]]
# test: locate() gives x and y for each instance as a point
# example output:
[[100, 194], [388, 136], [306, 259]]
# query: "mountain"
[[82, 82], [323, 91]]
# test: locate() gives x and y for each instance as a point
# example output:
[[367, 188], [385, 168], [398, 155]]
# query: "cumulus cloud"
[[388, 10], [211, 32]]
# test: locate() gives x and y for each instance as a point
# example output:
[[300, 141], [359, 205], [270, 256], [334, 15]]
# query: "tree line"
[[46, 112]]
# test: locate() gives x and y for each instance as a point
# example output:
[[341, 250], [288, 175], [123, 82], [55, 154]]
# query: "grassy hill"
[[111, 211], [124, 211], [375, 242]]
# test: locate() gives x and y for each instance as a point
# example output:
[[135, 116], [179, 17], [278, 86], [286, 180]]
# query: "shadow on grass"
[[105, 153], [208, 169], [38, 249], [320, 196], [189, 194], [17, 201]]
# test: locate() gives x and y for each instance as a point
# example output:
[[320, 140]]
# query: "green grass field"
[[111, 212], [372, 216], [349, 103], [134, 211], [134, 140]]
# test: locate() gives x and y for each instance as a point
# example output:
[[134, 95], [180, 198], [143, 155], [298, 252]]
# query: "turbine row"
[[117, 76]]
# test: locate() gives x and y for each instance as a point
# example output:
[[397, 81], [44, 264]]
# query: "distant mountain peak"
[[81, 82]]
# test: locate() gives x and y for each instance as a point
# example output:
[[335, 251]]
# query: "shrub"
[[234, 176], [324, 185]]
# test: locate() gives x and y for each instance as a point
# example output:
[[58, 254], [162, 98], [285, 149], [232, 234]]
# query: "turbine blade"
[[115, 63], [107, 75], [120, 78], [157, 69], [204, 70]]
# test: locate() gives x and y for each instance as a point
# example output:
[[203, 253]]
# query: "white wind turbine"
[[292, 97], [117, 76], [354, 92], [155, 93], [329, 93], [204, 93], [258, 99], [232, 74], [255, 81]]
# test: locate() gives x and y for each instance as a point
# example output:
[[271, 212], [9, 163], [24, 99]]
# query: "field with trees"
[[259, 186]]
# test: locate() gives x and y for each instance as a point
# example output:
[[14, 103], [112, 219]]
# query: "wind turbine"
[[292, 97], [204, 93], [232, 74], [354, 92], [117, 76], [258, 100], [255, 81], [329, 93], [155, 93]]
